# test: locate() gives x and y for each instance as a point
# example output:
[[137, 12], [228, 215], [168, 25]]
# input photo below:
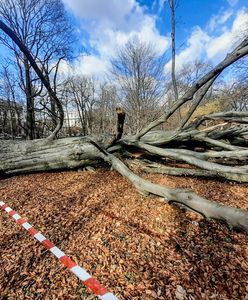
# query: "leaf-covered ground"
[[139, 248]]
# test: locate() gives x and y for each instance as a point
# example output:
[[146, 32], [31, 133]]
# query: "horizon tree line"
[[136, 80]]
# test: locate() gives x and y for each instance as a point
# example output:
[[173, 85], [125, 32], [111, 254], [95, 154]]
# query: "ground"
[[138, 247]]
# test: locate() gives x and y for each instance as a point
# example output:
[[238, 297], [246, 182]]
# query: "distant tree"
[[186, 76], [104, 112], [81, 91], [11, 110], [236, 95], [43, 27], [191, 72], [138, 71]]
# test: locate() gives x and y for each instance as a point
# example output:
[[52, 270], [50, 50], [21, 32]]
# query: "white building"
[[72, 118]]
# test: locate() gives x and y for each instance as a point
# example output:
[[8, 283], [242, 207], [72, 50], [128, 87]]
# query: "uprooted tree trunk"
[[216, 151], [33, 156]]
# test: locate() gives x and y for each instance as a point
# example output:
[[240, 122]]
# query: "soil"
[[138, 247]]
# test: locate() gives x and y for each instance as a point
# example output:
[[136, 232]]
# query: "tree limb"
[[235, 55], [234, 217]]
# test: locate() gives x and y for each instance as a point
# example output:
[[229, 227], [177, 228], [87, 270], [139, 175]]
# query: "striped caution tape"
[[82, 274]]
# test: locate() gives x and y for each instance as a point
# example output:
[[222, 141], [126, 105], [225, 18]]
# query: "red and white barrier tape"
[[83, 275]]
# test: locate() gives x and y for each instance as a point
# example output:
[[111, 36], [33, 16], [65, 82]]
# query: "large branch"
[[230, 116], [19, 157], [239, 174], [235, 55], [234, 217], [196, 103], [157, 168], [32, 156]]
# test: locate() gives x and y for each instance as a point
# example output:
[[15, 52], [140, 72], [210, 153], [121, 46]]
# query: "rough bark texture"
[[121, 115], [39, 155]]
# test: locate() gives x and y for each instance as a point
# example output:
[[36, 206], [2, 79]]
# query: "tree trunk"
[[30, 117], [69, 153], [219, 158], [41, 155]]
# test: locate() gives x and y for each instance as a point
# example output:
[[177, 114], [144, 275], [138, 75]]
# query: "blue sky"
[[206, 29], [191, 13]]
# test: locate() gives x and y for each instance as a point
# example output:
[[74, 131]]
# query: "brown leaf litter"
[[139, 248]]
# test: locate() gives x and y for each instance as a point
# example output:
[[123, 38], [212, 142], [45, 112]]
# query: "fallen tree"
[[207, 151]]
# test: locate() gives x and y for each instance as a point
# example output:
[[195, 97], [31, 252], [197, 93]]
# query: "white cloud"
[[89, 65], [112, 11], [219, 19], [232, 2], [161, 5], [93, 65], [208, 45], [195, 49], [110, 39], [111, 23], [222, 44]]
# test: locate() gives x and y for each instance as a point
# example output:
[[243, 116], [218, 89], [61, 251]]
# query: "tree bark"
[[70, 153], [39, 155], [30, 118], [234, 217]]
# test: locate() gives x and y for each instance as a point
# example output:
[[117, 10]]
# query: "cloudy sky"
[[206, 29]]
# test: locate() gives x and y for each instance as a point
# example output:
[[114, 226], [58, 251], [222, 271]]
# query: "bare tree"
[[11, 109], [241, 68], [236, 94], [104, 111], [187, 74], [138, 70], [190, 72], [217, 159], [10, 33], [81, 90], [41, 26]]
